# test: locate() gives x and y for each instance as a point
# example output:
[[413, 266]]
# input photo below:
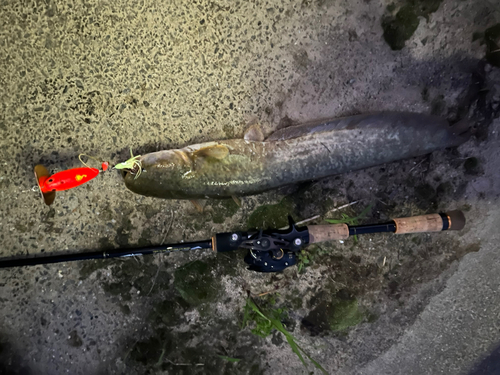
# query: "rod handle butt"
[[456, 219]]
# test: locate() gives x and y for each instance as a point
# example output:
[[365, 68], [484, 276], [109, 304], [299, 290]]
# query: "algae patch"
[[272, 215], [145, 276], [222, 209], [336, 314], [173, 352], [310, 199], [196, 284], [399, 27], [345, 314]]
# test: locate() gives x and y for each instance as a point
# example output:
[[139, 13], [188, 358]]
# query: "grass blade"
[[272, 322]]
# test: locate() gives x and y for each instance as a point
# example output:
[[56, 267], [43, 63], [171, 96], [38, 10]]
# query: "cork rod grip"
[[418, 224], [321, 233]]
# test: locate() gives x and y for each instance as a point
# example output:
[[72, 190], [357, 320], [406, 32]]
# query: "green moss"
[[310, 199], [223, 209], [337, 315], [345, 314], [399, 28], [196, 284], [272, 215]]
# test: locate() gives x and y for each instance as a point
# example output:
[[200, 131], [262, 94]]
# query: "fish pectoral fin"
[[218, 152], [236, 200], [254, 133], [197, 204]]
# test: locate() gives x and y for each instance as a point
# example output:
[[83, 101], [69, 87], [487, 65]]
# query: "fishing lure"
[[133, 164], [64, 180]]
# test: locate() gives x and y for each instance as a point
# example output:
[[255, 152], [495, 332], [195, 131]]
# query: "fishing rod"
[[270, 250]]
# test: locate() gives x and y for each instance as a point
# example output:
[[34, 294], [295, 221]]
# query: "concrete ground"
[[99, 77]]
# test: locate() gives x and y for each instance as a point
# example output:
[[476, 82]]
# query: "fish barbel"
[[239, 167]]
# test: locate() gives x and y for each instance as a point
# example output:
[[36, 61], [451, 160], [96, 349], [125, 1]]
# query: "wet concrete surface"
[[101, 77]]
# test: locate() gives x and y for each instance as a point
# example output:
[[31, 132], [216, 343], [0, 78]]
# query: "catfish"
[[318, 149]]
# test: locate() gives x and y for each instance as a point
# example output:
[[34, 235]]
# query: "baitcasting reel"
[[270, 250]]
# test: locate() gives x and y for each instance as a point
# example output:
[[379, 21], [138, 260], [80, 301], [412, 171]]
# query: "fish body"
[[239, 167]]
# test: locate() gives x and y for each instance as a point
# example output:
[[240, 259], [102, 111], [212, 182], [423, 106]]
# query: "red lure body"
[[63, 180], [68, 179]]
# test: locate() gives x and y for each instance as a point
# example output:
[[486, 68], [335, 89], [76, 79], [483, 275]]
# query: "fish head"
[[164, 174], [169, 162]]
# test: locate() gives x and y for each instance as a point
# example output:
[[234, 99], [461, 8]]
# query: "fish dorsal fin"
[[254, 133], [218, 152]]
